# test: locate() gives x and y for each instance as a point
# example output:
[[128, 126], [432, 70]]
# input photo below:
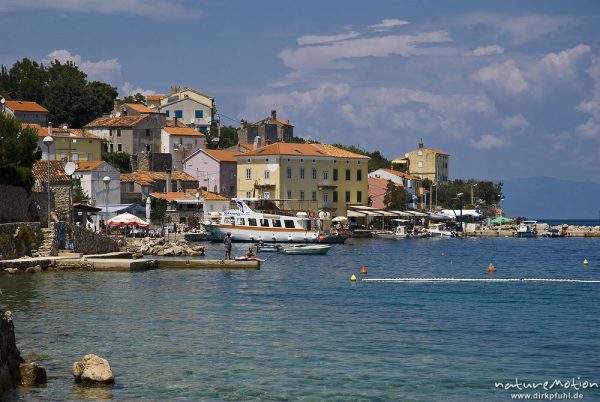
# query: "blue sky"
[[509, 89]]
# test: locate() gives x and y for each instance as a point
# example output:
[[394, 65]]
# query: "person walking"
[[227, 243]]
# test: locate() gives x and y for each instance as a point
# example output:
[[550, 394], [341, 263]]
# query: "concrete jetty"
[[178, 263]]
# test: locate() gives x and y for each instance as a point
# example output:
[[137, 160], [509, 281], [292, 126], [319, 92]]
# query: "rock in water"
[[93, 369], [32, 374]]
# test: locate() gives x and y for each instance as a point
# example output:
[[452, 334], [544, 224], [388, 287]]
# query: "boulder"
[[32, 374], [178, 250], [168, 252], [34, 270], [11, 270], [160, 242], [93, 369]]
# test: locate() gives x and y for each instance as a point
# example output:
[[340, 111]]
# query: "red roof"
[[25, 106], [41, 131], [435, 151], [138, 107], [402, 174], [284, 148], [183, 131], [123, 121], [57, 171], [173, 196], [221, 155], [91, 165]]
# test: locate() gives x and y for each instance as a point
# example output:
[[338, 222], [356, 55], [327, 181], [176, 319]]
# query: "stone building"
[[61, 187], [27, 112], [266, 131], [190, 106], [426, 163]]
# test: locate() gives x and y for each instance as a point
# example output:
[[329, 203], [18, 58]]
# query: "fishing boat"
[[247, 225], [527, 229], [267, 247], [439, 230], [399, 233], [305, 249]]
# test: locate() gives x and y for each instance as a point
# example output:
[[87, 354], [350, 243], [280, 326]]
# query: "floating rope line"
[[400, 280]]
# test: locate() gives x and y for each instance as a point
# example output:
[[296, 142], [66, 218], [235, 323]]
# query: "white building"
[[411, 184], [181, 142], [189, 106], [91, 175]]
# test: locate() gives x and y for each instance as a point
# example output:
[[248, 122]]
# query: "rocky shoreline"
[[164, 248]]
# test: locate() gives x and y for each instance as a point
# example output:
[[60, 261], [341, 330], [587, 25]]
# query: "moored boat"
[[305, 249], [527, 229], [439, 230]]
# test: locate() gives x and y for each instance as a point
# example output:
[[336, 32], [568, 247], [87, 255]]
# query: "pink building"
[[215, 169]]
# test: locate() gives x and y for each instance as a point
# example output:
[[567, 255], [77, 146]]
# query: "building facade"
[[304, 177], [412, 184], [426, 163], [216, 170], [266, 131], [130, 134], [27, 112], [190, 106], [181, 142], [91, 175]]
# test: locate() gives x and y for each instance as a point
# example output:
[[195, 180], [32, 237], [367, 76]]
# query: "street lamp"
[[473, 185], [106, 180], [501, 206], [2, 103], [48, 142], [460, 196]]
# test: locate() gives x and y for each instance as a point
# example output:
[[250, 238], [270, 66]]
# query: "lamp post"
[[501, 206], [48, 142], [2, 103], [460, 196], [473, 185], [106, 180]]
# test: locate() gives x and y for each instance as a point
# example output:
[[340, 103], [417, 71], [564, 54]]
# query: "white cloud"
[[153, 8], [528, 28], [561, 64], [129, 89], [388, 24], [589, 130], [560, 141], [592, 106], [337, 54], [319, 39], [505, 76], [103, 70], [488, 141], [518, 122], [488, 50]]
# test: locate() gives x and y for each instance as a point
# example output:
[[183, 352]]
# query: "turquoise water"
[[298, 329]]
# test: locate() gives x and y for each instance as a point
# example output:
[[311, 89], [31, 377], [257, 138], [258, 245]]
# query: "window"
[[289, 172], [119, 147], [251, 222], [276, 223], [359, 175], [167, 113], [112, 147], [289, 195], [335, 174], [267, 174], [347, 196], [264, 223], [248, 174], [420, 153], [420, 164], [288, 223], [199, 114], [359, 196], [248, 194], [325, 198], [314, 196], [325, 175], [348, 177], [118, 132], [302, 195], [314, 173], [148, 147], [335, 196], [266, 195], [179, 114], [302, 173], [147, 132], [240, 221]]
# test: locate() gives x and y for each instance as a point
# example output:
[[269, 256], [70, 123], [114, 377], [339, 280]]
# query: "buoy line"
[[398, 280]]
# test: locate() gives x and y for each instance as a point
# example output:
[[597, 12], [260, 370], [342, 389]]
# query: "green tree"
[[26, 80], [18, 152], [119, 160], [158, 207], [137, 98], [377, 161], [396, 196], [79, 194], [229, 137]]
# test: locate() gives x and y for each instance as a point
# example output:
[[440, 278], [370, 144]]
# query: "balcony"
[[325, 185]]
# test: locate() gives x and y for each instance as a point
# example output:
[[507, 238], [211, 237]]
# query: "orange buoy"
[[321, 238], [491, 268], [363, 270]]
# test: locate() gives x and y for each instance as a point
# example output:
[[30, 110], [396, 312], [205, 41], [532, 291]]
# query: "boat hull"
[[243, 234], [305, 250]]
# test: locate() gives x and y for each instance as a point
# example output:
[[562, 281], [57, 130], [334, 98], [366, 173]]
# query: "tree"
[[119, 160], [79, 194], [18, 152], [158, 208], [396, 196], [26, 80], [377, 161], [229, 137], [137, 98]]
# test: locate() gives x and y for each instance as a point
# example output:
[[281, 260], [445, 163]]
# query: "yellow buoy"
[[353, 278], [585, 262]]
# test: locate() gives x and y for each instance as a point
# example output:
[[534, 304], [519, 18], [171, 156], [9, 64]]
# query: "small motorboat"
[[527, 229], [267, 247], [439, 230], [553, 232], [305, 249], [399, 233]]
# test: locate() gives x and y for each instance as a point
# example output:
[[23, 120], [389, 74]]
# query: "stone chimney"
[[174, 90], [256, 143], [421, 143], [168, 186], [273, 114], [117, 106], [50, 128], [242, 124], [267, 141]]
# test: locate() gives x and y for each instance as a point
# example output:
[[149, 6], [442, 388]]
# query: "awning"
[[355, 214]]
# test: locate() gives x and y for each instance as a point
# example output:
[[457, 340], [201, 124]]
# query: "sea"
[[299, 329]]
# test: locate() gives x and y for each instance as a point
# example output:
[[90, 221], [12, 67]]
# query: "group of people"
[[249, 256]]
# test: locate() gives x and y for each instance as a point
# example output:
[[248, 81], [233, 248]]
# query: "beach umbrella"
[[127, 219], [339, 219], [148, 208], [501, 219]]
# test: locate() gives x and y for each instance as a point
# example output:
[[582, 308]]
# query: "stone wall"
[[10, 358], [62, 201], [87, 242], [8, 249], [14, 204], [154, 162]]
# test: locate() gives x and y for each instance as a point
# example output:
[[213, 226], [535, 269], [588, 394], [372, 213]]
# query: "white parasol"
[[148, 208], [126, 219]]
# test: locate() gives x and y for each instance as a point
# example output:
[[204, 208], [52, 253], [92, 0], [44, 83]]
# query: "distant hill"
[[550, 198]]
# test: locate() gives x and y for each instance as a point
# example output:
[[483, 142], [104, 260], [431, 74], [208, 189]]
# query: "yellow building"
[[304, 177], [72, 145], [426, 163]]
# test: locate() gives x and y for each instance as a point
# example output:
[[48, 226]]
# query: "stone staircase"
[[49, 246]]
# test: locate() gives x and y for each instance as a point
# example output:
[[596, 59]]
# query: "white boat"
[[440, 230], [399, 233], [527, 229], [305, 249], [246, 225]]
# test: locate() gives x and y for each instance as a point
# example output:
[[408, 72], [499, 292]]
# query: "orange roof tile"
[[283, 148], [207, 195], [146, 178], [185, 131], [173, 196], [138, 107], [283, 122], [153, 97], [25, 106], [41, 131], [123, 121], [57, 171], [91, 165], [435, 151], [380, 182], [402, 174], [221, 155], [171, 123]]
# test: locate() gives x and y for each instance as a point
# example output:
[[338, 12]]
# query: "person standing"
[[227, 243]]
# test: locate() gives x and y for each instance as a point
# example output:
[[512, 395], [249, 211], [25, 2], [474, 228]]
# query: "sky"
[[510, 89]]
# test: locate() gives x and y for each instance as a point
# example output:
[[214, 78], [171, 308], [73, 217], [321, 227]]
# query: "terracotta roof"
[[25, 106], [171, 123], [57, 171], [41, 131], [186, 131], [283, 122], [91, 165], [246, 145], [123, 121], [74, 132], [380, 182], [173, 196], [138, 107], [207, 195], [145, 178], [221, 155], [403, 175], [435, 151], [283, 148], [154, 97]]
